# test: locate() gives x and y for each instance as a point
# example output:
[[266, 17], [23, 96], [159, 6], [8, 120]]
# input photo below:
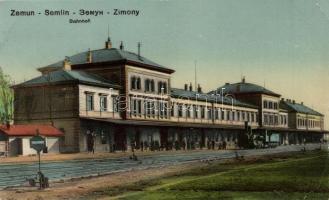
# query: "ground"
[[302, 176], [281, 176]]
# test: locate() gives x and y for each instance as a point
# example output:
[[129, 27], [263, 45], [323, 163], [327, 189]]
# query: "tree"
[[6, 98]]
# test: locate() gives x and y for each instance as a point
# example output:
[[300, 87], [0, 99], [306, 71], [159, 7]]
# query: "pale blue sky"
[[283, 44]]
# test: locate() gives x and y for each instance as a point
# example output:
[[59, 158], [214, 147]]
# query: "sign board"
[[37, 143]]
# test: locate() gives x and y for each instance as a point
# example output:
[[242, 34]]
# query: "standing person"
[[142, 145], [212, 144], [89, 140], [93, 136]]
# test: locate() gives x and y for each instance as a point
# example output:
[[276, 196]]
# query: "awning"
[[164, 124], [30, 130]]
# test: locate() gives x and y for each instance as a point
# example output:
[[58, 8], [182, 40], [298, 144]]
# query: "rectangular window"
[[90, 102], [172, 111], [223, 115], [180, 110], [209, 113], [136, 107], [139, 106], [188, 111], [228, 113], [216, 113], [115, 104], [195, 111], [203, 112], [103, 103], [163, 109]]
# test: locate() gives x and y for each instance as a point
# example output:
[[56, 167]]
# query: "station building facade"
[[116, 99]]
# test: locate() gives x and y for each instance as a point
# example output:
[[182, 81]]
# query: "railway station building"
[[113, 99]]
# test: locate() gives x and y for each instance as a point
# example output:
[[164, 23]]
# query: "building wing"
[[298, 107], [243, 88]]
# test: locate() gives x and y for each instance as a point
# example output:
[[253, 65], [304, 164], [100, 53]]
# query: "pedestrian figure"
[[212, 144], [220, 145], [142, 145], [183, 144], [90, 142], [93, 136]]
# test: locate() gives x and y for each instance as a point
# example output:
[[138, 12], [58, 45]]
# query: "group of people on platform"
[[176, 145]]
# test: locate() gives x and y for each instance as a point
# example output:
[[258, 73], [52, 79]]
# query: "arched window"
[[133, 83], [159, 87], [138, 83], [152, 85], [265, 104], [165, 87], [147, 84]]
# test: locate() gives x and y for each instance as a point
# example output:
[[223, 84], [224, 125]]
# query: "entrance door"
[[137, 139], [120, 138], [19, 146], [203, 138], [164, 138]]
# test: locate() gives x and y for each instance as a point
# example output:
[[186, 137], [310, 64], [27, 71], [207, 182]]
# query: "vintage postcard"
[[164, 99]]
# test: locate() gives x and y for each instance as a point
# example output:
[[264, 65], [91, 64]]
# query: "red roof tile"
[[30, 130]]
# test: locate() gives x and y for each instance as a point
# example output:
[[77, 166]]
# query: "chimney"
[[227, 83], [67, 63], [282, 99], [139, 49], [302, 103], [293, 101], [108, 43], [243, 79], [191, 88], [121, 46], [199, 89], [185, 87], [89, 56]]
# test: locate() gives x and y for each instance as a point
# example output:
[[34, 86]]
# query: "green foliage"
[[6, 98]]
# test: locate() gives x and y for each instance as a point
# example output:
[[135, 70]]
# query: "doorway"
[[120, 139]]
